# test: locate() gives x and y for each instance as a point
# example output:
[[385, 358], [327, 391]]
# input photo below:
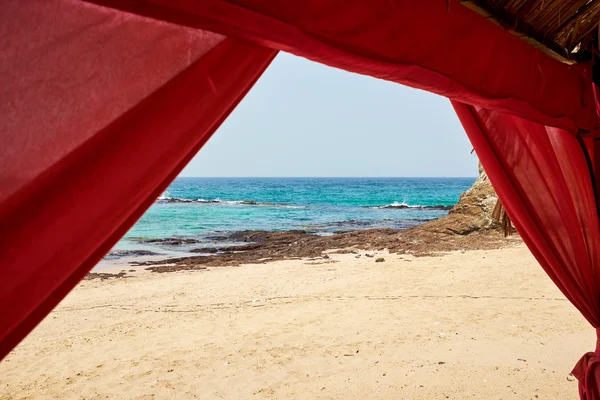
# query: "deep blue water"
[[203, 207]]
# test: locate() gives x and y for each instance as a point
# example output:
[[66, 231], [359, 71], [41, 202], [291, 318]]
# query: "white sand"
[[480, 324]]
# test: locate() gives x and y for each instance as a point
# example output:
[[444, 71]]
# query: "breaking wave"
[[165, 195], [403, 205], [164, 199]]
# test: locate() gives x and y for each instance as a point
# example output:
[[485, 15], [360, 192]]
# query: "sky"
[[303, 119]]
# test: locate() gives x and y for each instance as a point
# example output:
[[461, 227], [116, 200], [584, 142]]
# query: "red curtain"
[[75, 189], [69, 68], [543, 179], [436, 45]]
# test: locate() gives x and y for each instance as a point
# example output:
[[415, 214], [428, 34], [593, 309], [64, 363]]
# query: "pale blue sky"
[[306, 119]]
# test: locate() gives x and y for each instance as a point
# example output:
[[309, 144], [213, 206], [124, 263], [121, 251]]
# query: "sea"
[[208, 208]]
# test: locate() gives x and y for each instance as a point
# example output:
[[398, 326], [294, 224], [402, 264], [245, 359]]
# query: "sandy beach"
[[484, 324]]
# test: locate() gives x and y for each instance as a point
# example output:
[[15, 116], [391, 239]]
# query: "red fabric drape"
[[70, 68], [58, 226], [436, 45], [543, 180]]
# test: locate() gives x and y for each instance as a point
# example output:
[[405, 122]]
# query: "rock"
[[126, 253], [208, 250], [218, 238], [262, 246], [263, 236], [478, 201], [472, 213], [103, 276], [344, 251], [380, 259], [168, 241], [174, 200], [439, 207]]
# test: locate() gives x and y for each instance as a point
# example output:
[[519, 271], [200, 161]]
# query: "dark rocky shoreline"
[[430, 239], [455, 231]]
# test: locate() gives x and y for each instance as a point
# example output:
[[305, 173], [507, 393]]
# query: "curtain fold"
[[70, 68], [56, 227], [542, 178], [435, 45]]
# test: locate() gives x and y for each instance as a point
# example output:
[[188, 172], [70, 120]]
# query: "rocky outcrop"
[[473, 212], [479, 202], [174, 241], [104, 276], [266, 246], [136, 253]]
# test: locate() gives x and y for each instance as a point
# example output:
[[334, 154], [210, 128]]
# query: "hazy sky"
[[306, 119]]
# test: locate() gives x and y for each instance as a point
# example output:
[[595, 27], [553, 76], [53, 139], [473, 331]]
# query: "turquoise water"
[[205, 207]]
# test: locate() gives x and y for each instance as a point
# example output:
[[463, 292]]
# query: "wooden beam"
[[572, 31], [576, 28]]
